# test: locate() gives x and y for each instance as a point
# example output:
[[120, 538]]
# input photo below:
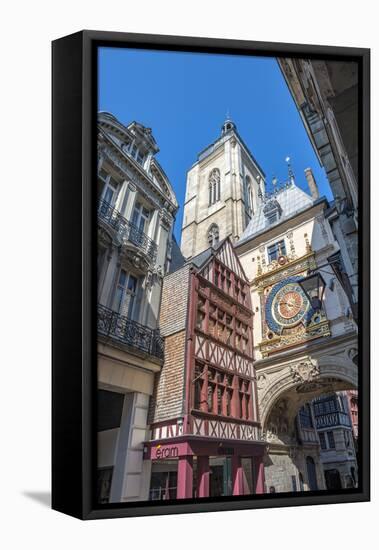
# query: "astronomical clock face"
[[289, 305], [286, 306]]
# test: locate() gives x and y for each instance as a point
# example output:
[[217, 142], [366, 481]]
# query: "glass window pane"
[[108, 196], [122, 278], [132, 283]]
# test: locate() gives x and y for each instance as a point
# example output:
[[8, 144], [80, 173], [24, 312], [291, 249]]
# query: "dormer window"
[[140, 158], [272, 212], [214, 186], [272, 217]]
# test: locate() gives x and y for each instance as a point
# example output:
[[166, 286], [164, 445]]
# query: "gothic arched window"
[[213, 235], [249, 195], [214, 186]]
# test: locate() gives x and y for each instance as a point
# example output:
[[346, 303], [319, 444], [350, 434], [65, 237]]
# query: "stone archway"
[[283, 388], [289, 385]]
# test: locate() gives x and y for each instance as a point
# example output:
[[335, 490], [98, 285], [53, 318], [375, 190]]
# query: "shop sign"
[[166, 452]]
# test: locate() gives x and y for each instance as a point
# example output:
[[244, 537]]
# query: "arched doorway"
[[311, 472], [290, 425]]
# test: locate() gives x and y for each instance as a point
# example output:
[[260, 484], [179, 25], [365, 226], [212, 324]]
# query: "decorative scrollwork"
[[125, 331]]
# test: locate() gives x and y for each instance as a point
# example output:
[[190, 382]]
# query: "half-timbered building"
[[205, 429]]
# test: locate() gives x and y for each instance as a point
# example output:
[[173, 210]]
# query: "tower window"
[[248, 194], [214, 186], [213, 235]]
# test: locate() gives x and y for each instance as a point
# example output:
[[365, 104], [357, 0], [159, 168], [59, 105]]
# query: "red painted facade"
[[218, 435]]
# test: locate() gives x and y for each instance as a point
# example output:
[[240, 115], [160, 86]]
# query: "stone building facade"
[[333, 422], [325, 93], [299, 353], [136, 211]]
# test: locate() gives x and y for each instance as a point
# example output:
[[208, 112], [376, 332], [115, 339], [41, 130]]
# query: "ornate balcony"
[[125, 331], [332, 419], [127, 231]]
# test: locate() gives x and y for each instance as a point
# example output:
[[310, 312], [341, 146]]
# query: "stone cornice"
[[128, 164], [350, 338]]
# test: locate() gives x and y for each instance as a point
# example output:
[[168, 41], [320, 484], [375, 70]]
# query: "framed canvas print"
[[210, 275]]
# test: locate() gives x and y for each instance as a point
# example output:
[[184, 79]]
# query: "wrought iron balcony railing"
[[332, 419], [126, 230], [125, 331]]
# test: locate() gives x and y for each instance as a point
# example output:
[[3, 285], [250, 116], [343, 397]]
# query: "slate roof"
[[291, 200], [177, 258], [201, 258]]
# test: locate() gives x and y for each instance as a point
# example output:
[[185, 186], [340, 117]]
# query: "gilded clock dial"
[[289, 305]]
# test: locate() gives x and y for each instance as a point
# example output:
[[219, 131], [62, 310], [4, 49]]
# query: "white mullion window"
[[140, 217], [109, 193], [125, 296]]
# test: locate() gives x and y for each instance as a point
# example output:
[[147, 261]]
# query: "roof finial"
[[291, 178], [228, 124]]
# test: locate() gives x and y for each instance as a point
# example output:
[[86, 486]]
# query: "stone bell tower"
[[223, 190]]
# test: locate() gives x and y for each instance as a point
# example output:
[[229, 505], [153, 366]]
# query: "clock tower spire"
[[222, 192]]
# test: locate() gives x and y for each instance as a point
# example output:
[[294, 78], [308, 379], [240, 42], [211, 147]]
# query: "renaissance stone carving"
[[261, 381], [305, 371]]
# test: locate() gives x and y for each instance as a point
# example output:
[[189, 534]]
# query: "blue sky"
[[184, 98]]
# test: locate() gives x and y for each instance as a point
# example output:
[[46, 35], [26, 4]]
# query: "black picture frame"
[[74, 91]]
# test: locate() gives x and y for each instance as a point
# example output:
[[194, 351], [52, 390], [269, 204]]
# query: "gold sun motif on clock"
[[290, 304]]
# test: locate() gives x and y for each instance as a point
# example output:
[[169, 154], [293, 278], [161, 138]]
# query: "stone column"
[[121, 467], [127, 483], [153, 225], [185, 477], [203, 476], [131, 201]]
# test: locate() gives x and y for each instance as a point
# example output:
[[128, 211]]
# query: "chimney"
[[312, 183]]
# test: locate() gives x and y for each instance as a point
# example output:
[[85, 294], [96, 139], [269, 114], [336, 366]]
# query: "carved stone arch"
[[301, 381]]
